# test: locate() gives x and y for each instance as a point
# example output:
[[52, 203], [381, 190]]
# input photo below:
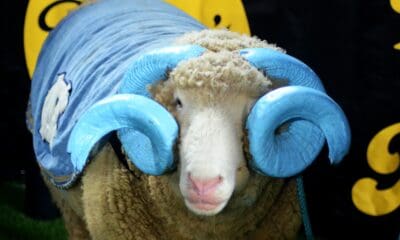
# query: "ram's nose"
[[204, 187], [203, 197]]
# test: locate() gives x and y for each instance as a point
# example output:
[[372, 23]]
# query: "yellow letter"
[[396, 7], [378, 156], [366, 197]]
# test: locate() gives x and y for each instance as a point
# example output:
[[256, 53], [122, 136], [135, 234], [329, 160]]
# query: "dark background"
[[349, 44]]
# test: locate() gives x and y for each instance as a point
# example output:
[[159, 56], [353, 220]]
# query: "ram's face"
[[210, 98], [212, 163]]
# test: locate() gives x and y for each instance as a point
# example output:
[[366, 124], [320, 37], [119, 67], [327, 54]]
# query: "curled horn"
[[125, 111], [154, 66], [147, 131], [310, 116]]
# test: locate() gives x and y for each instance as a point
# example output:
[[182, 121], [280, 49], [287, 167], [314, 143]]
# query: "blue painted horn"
[[310, 116], [147, 131]]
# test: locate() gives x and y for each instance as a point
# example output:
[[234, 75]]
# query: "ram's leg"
[[114, 202], [69, 202]]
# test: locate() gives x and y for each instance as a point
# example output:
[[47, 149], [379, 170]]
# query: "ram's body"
[[89, 57]]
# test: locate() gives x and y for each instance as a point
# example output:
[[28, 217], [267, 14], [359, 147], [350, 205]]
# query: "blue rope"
[[303, 208]]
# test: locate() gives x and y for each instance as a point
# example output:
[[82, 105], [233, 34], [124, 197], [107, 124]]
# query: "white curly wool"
[[54, 105]]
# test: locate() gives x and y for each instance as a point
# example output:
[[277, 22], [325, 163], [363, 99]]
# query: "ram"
[[146, 125]]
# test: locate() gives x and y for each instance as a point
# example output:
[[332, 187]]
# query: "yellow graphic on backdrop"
[[365, 194], [366, 197], [41, 17], [228, 14], [396, 7], [44, 15]]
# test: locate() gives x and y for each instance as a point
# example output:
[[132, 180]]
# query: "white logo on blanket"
[[54, 105]]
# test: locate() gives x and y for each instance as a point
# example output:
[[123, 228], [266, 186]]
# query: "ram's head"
[[212, 105]]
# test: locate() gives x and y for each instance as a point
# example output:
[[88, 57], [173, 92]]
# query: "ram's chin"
[[204, 208]]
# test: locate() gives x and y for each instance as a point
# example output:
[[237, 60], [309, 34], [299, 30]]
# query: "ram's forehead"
[[217, 40], [220, 73]]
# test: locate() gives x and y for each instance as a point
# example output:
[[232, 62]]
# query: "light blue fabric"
[[94, 46]]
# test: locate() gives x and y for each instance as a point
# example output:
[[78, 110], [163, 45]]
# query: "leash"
[[303, 208]]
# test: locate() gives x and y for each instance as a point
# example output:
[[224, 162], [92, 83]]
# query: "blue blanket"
[[83, 61]]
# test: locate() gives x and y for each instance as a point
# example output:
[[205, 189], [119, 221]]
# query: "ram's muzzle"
[[148, 132]]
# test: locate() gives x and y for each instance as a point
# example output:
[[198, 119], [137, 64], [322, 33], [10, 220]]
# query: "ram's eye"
[[178, 103]]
